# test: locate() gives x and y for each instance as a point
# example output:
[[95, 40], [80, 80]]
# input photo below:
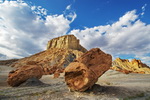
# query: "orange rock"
[[31, 63], [56, 74], [15, 78], [141, 72], [84, 72]]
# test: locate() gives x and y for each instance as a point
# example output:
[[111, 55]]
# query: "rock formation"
[[126, 66], [84, 71], [17, 77], [50, 59], [66, 42], [61, 51]]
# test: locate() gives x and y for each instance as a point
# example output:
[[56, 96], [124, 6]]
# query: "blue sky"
[[93, 13], [118, 27]]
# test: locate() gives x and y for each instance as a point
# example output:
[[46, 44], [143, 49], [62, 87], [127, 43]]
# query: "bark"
[[84, 72], [17, 77]]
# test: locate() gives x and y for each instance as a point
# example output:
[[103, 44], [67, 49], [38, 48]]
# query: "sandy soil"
[[111, 86]]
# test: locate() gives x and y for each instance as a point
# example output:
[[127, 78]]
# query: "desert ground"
[[112, 85]]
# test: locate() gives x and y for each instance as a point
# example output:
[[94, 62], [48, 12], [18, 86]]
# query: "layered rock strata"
[[133, 66], [66, 42]]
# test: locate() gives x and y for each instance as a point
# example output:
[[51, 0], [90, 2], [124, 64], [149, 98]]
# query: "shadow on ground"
[[118, 91]]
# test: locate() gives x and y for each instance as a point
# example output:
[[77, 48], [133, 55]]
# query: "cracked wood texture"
[[84, 72]]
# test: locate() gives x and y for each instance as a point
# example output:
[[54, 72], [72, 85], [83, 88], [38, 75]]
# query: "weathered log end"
[[78, 77], [84, 72]]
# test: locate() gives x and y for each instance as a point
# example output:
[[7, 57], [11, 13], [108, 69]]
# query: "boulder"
[[84, 71], [18, 76]]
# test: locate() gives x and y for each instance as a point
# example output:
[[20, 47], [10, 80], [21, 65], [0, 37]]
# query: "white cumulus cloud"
[[25, 29], [128, 36]]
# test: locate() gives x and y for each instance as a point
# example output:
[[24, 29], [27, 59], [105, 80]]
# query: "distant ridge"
[[8, 62], [133, 66]]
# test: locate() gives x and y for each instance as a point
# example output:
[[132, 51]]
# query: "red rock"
[[57, 74], [15, 78], [84, 72]]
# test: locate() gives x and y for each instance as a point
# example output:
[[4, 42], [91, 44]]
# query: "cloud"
[[70, 14], [68, 7], [128, 36], [2, 56], [25, 30], [143, 9]]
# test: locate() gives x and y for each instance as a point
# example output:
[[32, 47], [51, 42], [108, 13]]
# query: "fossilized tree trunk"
[[84, 72], [17, 77]]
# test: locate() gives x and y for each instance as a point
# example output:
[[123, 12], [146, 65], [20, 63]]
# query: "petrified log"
[[84, 72], [15, 78]]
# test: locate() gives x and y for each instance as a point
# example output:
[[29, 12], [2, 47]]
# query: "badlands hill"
[[60, 52], [133, 66], [8, 62]]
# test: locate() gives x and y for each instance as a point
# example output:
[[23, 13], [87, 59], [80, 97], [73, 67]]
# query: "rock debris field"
[[112, 85]]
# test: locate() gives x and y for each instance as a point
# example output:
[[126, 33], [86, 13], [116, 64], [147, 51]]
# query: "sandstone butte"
[[133, 66], [66, 42], [84, 71], [60, 52]]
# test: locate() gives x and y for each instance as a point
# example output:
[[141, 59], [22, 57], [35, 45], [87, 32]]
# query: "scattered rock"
[[84, 72], [126, 66], [56, 74], [17, 77]]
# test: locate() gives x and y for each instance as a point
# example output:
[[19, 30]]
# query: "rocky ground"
[[112, 85]]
